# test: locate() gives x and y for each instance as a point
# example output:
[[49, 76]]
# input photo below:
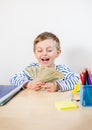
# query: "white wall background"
[[22, 20]]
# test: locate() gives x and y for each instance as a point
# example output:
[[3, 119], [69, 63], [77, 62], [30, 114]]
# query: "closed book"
[[7, 92]]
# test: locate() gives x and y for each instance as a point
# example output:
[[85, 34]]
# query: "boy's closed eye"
[[39, 50], [49, 50]]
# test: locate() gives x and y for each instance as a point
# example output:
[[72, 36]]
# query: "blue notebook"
[[7, 92]]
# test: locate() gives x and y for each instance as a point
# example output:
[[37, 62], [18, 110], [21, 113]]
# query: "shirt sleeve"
[[70, 78], [22, 77]]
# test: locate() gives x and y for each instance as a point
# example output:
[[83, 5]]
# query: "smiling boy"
[[46, 50]]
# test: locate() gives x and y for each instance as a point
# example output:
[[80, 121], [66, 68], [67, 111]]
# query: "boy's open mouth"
[[45, 59]]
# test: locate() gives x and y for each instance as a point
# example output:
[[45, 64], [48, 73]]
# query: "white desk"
[[30, 110]]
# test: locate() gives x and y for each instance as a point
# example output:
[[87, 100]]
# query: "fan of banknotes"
[[44, 74]]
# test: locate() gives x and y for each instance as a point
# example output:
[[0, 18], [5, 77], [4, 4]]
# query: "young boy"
[[46, 50]]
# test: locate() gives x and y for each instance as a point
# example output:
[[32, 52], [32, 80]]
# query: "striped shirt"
[[68, 83]]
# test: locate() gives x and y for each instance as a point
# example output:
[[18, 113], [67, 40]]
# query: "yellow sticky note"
[[66, 105]]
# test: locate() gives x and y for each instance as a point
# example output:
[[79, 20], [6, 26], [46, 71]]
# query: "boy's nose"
[[44, 53]]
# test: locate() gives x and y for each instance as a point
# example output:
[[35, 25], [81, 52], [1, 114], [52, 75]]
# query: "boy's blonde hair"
[[47, 35]]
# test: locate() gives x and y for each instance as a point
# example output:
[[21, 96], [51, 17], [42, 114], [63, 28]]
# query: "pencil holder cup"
[[86, 95]]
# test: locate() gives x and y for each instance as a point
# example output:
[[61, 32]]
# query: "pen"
[[90, 78], [83, 78]]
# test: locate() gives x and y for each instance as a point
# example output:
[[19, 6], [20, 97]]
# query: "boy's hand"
[[34, 85], [51, 86]]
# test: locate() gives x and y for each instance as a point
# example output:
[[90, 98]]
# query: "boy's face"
[[46, 52]]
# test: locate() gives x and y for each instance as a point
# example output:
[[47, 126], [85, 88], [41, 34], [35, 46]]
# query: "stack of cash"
[[44, 74]]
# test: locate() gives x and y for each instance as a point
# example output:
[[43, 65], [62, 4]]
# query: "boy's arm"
[[70, 79], [20, 79]]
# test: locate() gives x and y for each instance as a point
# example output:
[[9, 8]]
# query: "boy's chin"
[[46, 65]]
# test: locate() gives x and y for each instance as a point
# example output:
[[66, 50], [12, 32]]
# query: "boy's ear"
[[58, 53]]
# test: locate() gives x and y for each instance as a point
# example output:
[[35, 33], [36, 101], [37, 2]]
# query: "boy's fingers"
[[39, 83], [37, 89], [45, 86]]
